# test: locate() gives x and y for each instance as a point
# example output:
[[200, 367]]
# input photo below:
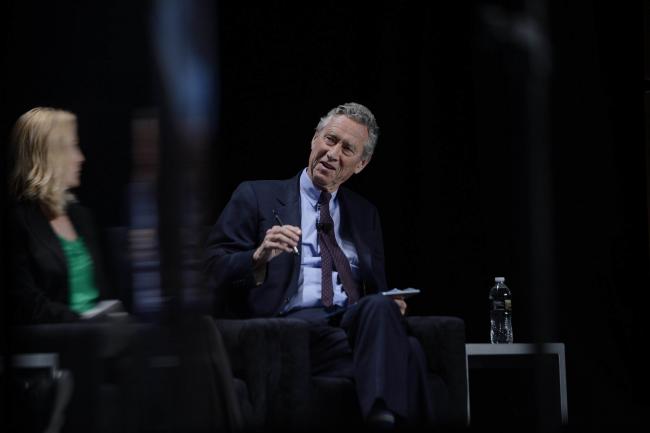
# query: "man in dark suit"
[[311, 249]]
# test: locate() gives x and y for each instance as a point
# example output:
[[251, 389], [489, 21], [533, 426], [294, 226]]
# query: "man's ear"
[[361, 165]]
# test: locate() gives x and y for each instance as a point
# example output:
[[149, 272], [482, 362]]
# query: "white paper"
[[103, 308], [404, 293]]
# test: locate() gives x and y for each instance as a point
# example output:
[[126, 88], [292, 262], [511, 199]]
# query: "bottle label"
[[498, 305], [508, 305]]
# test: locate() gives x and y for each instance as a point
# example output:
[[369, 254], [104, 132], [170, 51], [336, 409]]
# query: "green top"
[[81, 275]]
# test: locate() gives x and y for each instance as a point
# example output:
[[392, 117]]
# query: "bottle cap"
[[499, 279]]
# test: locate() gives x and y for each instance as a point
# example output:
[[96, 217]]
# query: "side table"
[[514, 355]]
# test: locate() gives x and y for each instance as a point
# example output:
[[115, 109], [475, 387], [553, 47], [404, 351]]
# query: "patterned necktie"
[[332, 255]]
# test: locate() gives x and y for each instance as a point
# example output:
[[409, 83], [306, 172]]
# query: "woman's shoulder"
[[29, 212], [23, 218], [20, 210]]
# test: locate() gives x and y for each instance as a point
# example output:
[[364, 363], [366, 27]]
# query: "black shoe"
[[381, 420]]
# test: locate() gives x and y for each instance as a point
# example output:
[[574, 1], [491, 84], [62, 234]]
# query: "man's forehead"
[[343, 123]]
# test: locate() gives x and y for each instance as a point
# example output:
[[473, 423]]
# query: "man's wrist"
[[259, 268]]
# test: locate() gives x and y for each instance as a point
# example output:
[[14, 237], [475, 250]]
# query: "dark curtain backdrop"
[[484, 167]]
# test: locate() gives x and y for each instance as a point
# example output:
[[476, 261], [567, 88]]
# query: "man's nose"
[[333, 152]]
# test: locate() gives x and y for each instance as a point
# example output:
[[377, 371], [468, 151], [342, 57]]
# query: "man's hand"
[[277, 239], [401, 303]]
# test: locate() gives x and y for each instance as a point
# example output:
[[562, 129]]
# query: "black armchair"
[[92, 354], [133, 377], [270, 361]]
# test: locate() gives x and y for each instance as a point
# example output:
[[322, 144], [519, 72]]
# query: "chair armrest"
[[272, 357], [88, 340], [443, 341]]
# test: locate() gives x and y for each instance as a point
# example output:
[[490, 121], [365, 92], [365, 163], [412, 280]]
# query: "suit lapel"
[[288, 205], [289, 211]]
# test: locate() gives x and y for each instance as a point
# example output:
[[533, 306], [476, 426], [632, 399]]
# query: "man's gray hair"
[[359, 114]]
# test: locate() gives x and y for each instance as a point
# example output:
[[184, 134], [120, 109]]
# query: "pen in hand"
[[279, 221]]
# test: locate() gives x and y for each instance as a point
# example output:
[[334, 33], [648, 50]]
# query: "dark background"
[[499, 155]]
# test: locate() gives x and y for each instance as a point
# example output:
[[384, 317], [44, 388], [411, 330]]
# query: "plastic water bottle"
[[500, 312]]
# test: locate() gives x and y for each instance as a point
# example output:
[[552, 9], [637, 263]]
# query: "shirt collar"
[[310, 190]]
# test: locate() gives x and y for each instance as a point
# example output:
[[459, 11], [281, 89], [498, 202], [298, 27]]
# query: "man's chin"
[[320, 180]]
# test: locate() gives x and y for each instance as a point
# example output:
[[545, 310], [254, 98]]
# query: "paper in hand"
[[403, 293], [103, 309]]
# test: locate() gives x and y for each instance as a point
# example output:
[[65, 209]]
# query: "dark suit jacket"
[[38, 273], [241, 228]]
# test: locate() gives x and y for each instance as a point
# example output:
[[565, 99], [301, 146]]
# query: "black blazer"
[[38, 273], [241, 228]]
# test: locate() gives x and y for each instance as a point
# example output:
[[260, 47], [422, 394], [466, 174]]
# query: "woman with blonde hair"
[[55, 269]]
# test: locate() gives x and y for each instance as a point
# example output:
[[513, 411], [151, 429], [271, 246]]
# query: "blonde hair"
[[37, 139]]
